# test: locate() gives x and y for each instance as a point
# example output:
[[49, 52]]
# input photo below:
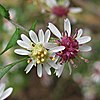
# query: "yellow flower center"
[[39, 53]]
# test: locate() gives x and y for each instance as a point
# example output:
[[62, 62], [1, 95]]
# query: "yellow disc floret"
[[39, 53]]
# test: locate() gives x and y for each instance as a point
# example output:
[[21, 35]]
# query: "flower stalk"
[[17, 25]]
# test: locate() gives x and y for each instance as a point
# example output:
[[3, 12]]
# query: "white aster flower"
[[4, 93], [61, 10], [73, 44], [39, 50]]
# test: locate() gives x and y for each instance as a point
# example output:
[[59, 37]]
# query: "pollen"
[[52, 58], [39, 53], [38, 61], [35, 53], [42, 60], [42, 55], [28, 61], [38, 57], [45, 52]]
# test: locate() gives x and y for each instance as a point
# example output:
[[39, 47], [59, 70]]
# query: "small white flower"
[[39, 50], [73, 44], [62, 9], [4, 93]]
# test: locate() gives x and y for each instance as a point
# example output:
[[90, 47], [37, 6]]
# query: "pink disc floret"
[[60, 11], [71, 48]]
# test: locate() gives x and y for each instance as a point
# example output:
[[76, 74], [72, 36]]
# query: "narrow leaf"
[[5, 69], [33, 25], [12, 41], [4, 12]]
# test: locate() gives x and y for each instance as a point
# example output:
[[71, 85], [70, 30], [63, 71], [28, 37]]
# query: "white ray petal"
[[84, 39], [25, 39], [22, 52], [39, 70], [29, 66], [24, 45], [47, 35], [66, 3], [59, 70], [6, 93], [41, 36], [57, 49], [2, 87], [85, 48], [75, 10], [56, 59], [54, 30], [51, 3], [52, 64], [67, 26], [80, 32], [33, 36], [49, 45], [47, 68]]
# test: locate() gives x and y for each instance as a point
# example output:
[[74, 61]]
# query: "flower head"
[[62, 10], [73, 43], [4, 93], [40, 51]]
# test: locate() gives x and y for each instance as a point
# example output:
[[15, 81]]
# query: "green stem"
[[70, 69], [14, 63], [19, 26]]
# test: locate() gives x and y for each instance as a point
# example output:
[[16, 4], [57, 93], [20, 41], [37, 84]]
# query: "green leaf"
[[33, 25], [12, 41], [4, 12], [5, 69]]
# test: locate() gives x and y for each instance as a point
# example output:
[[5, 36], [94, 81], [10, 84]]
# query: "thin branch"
[[19, 26]]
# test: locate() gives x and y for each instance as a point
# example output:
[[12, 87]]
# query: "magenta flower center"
[[71, 48], [60, 11]]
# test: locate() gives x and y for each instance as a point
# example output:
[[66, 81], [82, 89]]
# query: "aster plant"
[[41, 52], [73, 43]]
